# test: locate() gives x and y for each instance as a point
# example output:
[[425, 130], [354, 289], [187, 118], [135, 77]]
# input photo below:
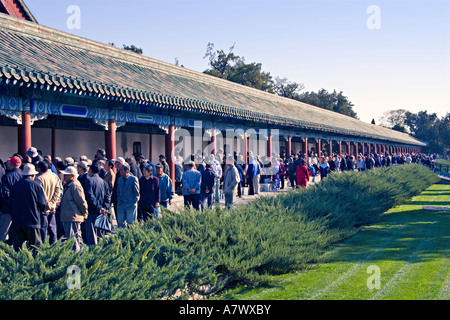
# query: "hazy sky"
[[397, 56]]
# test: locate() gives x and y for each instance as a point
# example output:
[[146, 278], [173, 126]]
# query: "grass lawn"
[[409, 246]]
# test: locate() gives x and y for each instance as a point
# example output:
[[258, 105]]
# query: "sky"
[[383, 55]]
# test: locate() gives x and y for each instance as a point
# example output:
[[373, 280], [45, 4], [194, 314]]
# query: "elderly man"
[[11, 177], [149, 194], [74, 208], [27, 202], [118, 163], [230, 181], [191, 180], [52, 187], [127, 197], [165, 186], [98, 199]]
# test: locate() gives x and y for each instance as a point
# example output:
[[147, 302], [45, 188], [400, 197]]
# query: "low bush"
[[191, 251]]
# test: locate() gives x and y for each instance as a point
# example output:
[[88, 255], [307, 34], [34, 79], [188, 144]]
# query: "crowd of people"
[[42, 198]]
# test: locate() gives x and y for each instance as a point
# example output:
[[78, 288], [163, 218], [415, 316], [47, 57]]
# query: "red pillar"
[[356, 149], [362, 149], [330, 148], [150, 146], [110, 140], [213, 142], [170, 146], [269, 146], [288, 146], [245, 148], [348, 147], [318, 146], [340, 147], [305, 148], [24, 134]]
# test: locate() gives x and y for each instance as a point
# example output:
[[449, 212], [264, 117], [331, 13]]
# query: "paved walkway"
[[178, 201]]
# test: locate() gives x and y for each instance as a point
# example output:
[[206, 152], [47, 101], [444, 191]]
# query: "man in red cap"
[[11, 177]]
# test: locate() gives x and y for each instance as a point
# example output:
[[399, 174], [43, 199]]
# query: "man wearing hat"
[[34, 155], [165, 186], [127, 197], [230, 181], [98, 199], [149, 194], [12, 176], [27, 202], [52, 187], [82, 168], [163, 162], [74, 208], [191, 180], [118, 163]]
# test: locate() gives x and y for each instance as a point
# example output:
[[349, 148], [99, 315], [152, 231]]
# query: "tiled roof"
[[47, 57]]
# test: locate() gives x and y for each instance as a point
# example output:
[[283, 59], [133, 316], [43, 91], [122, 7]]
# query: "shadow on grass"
[[410, 235]]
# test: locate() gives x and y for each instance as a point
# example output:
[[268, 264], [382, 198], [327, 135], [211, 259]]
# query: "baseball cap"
[[15, 161]]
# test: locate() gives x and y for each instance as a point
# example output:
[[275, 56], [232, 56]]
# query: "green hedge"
[[205, 251]]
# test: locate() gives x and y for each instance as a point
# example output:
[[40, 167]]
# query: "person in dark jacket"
[[11, 177], [163, 161], [150, 194], [27, 202], [207, 187], [134, 169], [98, 199], [34, 155]]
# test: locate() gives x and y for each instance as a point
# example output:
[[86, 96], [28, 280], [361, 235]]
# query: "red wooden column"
[[318, 146], [150, 145], [269, 146], [330, 148], [349, 150], [305, 148], [356, 149], [110, 140], [170, 146], [214, 143], [340, 147], [288, 146], [362, 149], [24, 134], [245, 148]]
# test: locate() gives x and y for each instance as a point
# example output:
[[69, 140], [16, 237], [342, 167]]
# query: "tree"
[[134, 49], [233, 68], [333, 101], [131, 48], [426, 127], [394, 119], [287, 89]]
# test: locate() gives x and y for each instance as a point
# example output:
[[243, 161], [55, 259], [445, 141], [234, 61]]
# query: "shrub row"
[[204, 251]]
